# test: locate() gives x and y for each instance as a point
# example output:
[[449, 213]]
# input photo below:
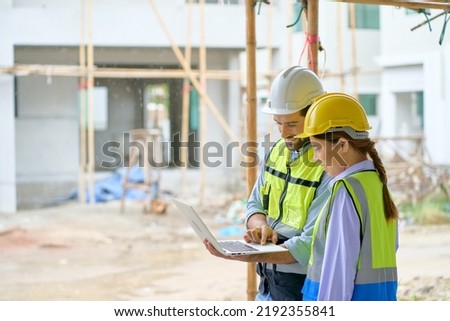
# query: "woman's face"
[[330, 154]]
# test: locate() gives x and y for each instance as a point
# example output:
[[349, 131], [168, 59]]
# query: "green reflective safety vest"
[[289, 188], [377, 258]]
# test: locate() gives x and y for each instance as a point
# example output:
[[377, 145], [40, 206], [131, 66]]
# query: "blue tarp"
[[110, 188]]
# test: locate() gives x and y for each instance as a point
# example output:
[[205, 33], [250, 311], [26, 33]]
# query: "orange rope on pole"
[[309, 42]]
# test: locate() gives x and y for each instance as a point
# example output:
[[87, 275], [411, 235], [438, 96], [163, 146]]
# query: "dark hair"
[[367, 147], [303, 111]]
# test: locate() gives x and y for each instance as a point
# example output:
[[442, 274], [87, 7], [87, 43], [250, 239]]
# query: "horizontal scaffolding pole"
[[76, 71]]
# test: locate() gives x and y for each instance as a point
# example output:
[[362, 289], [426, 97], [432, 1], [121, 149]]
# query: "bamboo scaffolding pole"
[[203, 123], [185, 103], [354, 52], [251, 124], [269, 78], [312, 30], [82, 95], [21, 70], [289, 35], [187, 69], [340, 46], [90, 92], [269, 46]]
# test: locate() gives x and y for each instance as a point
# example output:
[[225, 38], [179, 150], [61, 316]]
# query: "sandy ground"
[[92, 252]]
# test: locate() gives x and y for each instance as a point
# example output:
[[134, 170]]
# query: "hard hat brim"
[[277, 111], [350, 131]]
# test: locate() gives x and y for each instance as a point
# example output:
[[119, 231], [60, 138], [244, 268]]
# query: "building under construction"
[[78, 76]]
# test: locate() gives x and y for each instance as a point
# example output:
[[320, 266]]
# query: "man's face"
[[289, 126]]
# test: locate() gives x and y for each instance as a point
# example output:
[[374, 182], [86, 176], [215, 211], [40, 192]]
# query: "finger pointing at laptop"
[[261, 234]]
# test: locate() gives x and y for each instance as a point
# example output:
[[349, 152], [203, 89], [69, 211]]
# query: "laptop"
[[226, 247]]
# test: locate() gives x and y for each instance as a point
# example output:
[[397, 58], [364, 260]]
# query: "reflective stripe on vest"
[[289, 188], [377, 259]]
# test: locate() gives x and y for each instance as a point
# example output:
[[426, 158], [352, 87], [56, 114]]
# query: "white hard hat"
[[292, 90]]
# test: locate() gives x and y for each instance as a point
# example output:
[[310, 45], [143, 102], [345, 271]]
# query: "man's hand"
[[243, 258], [261, 234], [276, 257], [212, 250], [258, 231]]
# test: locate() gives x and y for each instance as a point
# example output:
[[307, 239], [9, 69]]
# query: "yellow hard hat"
[[334, 112]]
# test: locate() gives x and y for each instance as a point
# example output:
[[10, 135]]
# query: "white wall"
[[415, 61], [437, 103], [133, 24], [7, 126]]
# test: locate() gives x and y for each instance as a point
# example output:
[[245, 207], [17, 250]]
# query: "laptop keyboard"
[[236, 246]]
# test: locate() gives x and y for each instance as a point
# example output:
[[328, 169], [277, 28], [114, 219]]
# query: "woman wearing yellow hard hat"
[[353, 251]]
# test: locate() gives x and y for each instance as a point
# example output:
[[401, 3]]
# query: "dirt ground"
[[92, 252]]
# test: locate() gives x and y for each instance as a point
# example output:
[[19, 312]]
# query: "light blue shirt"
[[342, 246]]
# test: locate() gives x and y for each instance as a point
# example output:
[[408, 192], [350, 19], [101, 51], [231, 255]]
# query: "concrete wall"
[[7, 124]]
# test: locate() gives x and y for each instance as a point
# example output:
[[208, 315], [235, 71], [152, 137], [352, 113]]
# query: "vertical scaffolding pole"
[[202, 69], [90, 84], [269, 78], [340, 46], [82, 102], [185, 105], [313, 35], [251, 124], [289, 35], [354, 58]]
